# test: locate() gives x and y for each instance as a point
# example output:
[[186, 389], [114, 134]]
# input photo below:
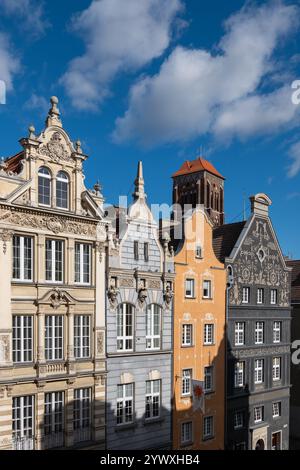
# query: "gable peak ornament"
[[53, 118]]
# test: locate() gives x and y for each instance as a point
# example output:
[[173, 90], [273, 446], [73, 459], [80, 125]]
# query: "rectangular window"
[[54, 260], [22, 338], [260, 295], [258, 414], [208, 379], [53, 337], [259, 332], [186, 433], [259, 371], [198, 252], [246, 295], [207, 290], [273, 299], [208, 427], [239, 333], [125, 404], [187, 335], [186, 385], [238, 419], [239, 374], [81, 336], [82, 263], [209, 333], [152, 404], [125, 318], [190, 288], [22, 258], [153, 326], [54, 414], [136, 250], [82, 414], [277, 332], [276, 368], [276, 409], [146, 252], [23, 421]]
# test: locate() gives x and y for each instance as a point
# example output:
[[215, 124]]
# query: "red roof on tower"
[[200, 164]]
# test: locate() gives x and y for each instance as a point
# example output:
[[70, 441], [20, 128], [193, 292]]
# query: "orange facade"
[[199, 346]]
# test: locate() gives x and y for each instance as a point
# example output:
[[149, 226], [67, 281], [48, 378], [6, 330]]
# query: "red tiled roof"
[[13, 163], [295, 264], [200, 164], [225, 237]]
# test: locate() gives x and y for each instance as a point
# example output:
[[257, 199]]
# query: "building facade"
[[52, 290], [295, 363], [139, 319], [258, 331]]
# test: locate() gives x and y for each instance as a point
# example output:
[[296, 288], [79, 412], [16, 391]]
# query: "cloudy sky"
[[162, 81]]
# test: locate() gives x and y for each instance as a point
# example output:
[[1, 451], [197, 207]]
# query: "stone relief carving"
[[5, 236], [126, 282], [259, 263], [142, 296], [54, 224], [255, 352], [100, 342], [168, 296], [154, 284], [4, 348], [112, 294], [56, 149]]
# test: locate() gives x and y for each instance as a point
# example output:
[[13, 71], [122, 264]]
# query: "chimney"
[[260, 204]]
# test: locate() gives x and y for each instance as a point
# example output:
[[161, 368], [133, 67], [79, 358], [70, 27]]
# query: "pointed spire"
[[139, 183], [53, 118]]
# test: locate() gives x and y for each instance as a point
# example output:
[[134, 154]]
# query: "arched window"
[[125, 319], [44, 186], [153, 326], [62, 190]]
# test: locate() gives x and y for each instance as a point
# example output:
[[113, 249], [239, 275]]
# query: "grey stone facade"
[[254, 261], [140, 276]]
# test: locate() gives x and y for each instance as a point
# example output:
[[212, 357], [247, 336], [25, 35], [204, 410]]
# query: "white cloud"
[[294, 153], [30, 11], [197, 92], [37, 102], [9, 64], [119, 36]]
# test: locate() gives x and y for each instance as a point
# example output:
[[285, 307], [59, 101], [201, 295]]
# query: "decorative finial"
[[97, 188], [2, 164], [53, 118], [31, 130], [139, 192], [78, 146]]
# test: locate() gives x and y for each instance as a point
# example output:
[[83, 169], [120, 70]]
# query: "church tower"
[[198, 182]]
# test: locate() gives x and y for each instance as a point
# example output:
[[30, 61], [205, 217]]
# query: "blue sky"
[[157, 80]]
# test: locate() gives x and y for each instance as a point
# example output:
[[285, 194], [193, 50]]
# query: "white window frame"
[[152, 399], [186, 382], [246, 295], [54, 260], [82, 340], [260, 296], [258, 413], [22, 258], [273, 296], [54, 353], [276, 409], [207, 286], [239, 333], [258, 371], [259, 332], [81, 272], [153, 341], [123, 402], [208, 427], [277, 331], [186, 432], [276, 368], [187, 335], [82, 408], [54, 408], [23, 335], [198, 252], [23, 413], [239, 374], [125, 339], [190, 289], [209, 334], [238, 419], [64, 180], [47, 176], [208, 378]]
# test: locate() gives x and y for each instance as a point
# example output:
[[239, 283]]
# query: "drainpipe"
[[229, 285]]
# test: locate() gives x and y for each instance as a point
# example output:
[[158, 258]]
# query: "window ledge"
[[125, 427], [153, 421]]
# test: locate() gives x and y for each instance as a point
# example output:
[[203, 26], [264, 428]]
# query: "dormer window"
[[44, 186], [62, 190]]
